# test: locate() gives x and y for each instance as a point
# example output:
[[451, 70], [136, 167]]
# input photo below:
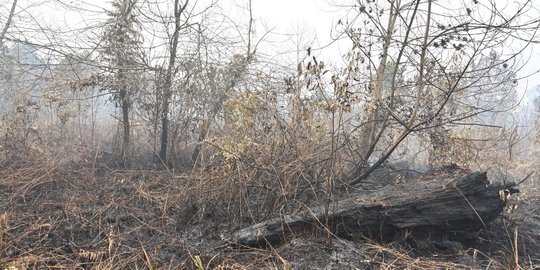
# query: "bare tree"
[[414, 69], [179, 9], [232, 74]]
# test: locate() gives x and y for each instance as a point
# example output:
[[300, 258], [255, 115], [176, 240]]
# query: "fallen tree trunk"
[[442, 201]]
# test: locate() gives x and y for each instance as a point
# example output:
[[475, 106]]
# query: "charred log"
[[438, 201]]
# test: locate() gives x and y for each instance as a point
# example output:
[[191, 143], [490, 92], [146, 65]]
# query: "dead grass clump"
[[260, 183], [262, 165]]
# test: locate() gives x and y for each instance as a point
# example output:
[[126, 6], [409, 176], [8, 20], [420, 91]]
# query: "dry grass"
[[54, 217]]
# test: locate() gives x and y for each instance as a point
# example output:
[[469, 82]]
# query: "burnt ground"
[[76, 217]]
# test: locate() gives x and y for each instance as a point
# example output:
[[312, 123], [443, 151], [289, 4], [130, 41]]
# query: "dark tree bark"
[[435, 202], [167, 89], [121, 51], [124, 99]]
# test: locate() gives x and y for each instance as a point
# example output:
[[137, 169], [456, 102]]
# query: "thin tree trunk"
[[126, 126], [373, 112], [167, 89], [8, 22], [202, 136], [370, 135], [165, 127], [407, 127]]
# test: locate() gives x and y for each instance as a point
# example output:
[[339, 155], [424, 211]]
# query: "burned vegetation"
[[181, 135]]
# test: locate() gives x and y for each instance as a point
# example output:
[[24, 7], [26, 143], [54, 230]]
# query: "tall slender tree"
[[122, 42], [167, 92]]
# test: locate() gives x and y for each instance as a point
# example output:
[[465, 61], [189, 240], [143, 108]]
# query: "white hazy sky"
[[285, 18], [318, 16]]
